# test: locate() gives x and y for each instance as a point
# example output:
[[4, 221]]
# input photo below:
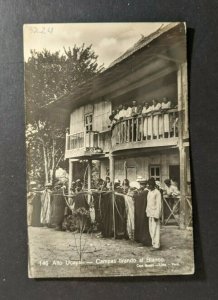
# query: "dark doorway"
[[174, 174]]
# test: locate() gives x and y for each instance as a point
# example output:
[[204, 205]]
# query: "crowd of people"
[[156, 122], [129, 210]]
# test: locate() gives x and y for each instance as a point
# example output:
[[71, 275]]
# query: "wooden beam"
[[157, 143], [144, 151]]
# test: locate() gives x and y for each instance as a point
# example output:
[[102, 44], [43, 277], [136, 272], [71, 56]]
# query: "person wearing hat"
[[153, 211]]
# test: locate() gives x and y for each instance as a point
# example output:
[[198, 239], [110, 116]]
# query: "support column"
[[70, 175], [112, 173], [111, 166], [89, 173], [182, 125], [183, 191], [89, 178]]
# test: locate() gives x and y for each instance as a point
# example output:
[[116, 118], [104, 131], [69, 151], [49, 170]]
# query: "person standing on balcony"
[[134, 115], [165, 106], [121, 113], [140, 123], [146, 109], [128, 114], [153, 211], [156, 118], [149, 121], [121, 116], [113, 119]]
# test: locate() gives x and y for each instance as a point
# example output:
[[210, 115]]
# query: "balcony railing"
[[82, 140], [158, 125]]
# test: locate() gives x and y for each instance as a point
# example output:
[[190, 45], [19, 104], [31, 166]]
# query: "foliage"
[[49, 76]]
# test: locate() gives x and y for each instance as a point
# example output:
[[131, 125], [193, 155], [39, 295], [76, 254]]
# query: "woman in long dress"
[[119, 213], [142, 234], [58, 207], [130, 209], [166, 105], [45, 216], [148, 122], [156, 109], [145, 111]]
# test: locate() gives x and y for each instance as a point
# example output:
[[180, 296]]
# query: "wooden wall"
[[139, 166], [101, 112]]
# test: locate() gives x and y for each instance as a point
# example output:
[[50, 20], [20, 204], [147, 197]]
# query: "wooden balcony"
[[82, 144], [152, 130], [148, 131]]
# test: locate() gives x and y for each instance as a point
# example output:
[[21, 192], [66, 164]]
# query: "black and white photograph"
[[107, 150]]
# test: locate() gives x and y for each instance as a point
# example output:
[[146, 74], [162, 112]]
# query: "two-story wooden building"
[[154, 68]]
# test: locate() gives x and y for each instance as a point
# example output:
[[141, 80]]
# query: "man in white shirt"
[[153, 211], [121, 114]]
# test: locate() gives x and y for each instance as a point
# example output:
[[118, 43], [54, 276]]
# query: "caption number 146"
[[43, 263]]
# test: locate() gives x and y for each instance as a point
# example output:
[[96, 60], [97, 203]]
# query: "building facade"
[[154, 68]]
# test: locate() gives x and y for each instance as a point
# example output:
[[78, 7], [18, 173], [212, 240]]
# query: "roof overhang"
[[164, 49]]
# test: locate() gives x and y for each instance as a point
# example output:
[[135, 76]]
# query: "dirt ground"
[[55, 254]]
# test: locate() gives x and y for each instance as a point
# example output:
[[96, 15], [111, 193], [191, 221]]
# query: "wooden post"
[[89, 178], [111, 166], [183, 182], [67, 144], [70, 175], [163, 129], [182, 98], [89, 173]]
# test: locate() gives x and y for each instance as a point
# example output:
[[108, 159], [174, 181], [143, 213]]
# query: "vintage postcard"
[[107, 143]]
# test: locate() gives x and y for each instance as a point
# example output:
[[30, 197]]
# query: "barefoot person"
[[153, 212]]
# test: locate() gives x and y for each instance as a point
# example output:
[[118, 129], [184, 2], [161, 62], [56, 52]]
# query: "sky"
[[109, 40]]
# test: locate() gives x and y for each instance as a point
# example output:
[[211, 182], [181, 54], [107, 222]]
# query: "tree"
[[48, 76]]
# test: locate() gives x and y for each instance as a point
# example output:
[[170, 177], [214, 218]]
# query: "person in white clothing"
[[156, 124], [145, 111], [148, 129], [121, 113], [121, 129], [166, 105], [129, 112], [153, 211]]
